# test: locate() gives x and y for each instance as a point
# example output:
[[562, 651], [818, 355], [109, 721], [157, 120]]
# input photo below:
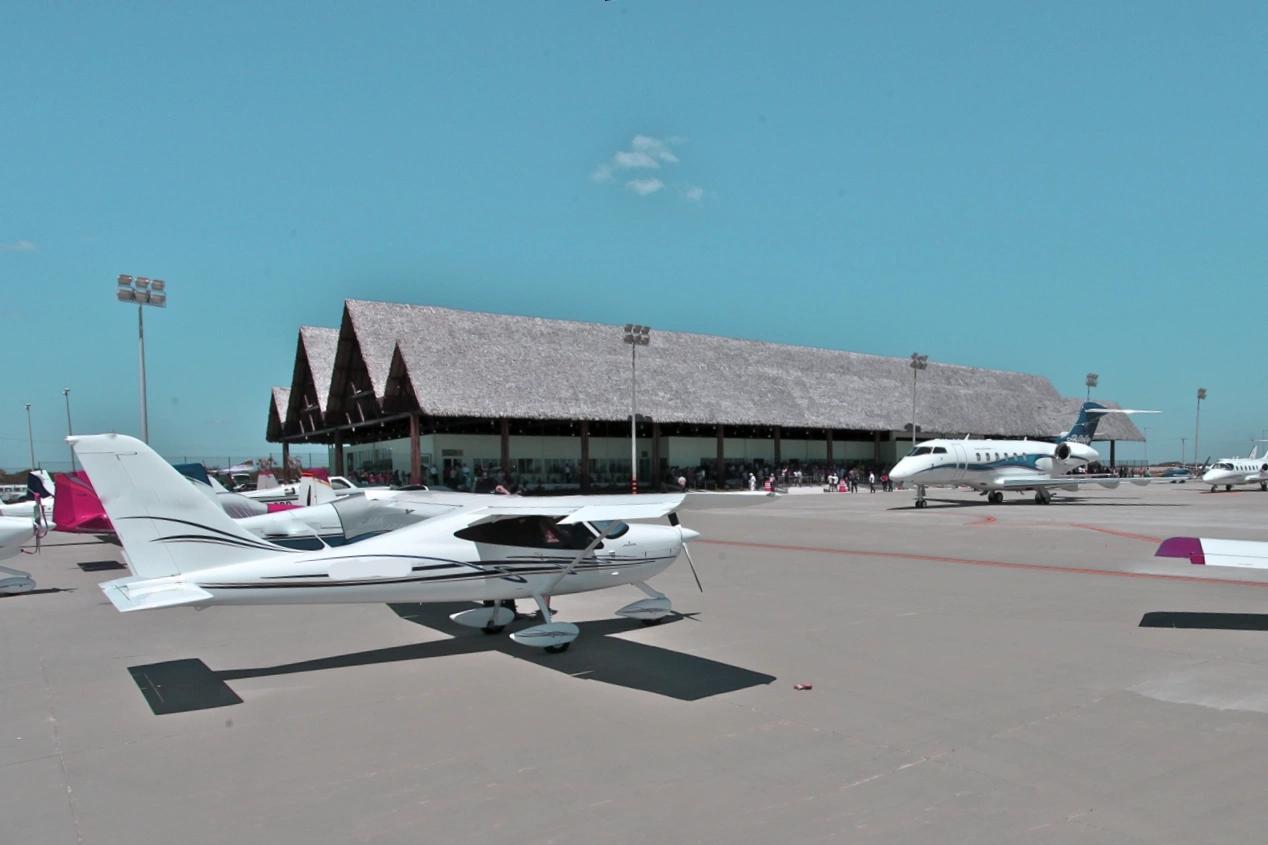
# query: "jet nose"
[[901, 471], [687, 534]]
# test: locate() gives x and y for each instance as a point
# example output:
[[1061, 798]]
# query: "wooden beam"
[[777, 458], [585, 456], [506, 447], [655, 456], [338, 459], [415, 452], [719, 464], [829, 448]]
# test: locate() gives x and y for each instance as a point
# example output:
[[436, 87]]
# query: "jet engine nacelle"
[[1069, 452]]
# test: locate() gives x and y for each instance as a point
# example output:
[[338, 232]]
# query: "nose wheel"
[[921, 501]]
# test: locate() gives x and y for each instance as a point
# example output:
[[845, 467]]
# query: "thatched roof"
[[279, 399], [319, 345], [473, 364]]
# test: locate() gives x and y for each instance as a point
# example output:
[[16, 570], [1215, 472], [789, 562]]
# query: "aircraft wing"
[[1248, 554], [572, 509], [1072, 482]]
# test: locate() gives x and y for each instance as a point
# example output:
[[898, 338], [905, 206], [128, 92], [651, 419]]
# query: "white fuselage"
[[1229, 471], [445, 568], [990, 464]]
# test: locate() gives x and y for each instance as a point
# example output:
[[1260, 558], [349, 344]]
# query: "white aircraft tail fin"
[[313, 491], [165, 525]]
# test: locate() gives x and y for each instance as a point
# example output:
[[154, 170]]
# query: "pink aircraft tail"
[[76, 508]]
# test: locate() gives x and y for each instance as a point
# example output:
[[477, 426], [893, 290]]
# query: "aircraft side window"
[[533, 532]]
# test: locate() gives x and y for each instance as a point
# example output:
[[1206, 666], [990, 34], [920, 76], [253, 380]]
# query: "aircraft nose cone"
[[688, 535], [901, 472]]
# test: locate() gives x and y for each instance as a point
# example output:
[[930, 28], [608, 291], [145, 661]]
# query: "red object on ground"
[[803, 686]]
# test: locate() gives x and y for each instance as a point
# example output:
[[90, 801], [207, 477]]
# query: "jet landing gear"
[[995, 497], [921, 501], [1043, 497]]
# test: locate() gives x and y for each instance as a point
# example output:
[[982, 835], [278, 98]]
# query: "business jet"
[[183, 550], [1230, 471], [993, 466]]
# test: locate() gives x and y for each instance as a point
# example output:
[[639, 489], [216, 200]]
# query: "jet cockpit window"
[[919, 450], [533, 532], [1223, 466], [939, 450]]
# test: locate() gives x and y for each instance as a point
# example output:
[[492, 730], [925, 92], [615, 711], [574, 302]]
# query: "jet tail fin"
[[1090, 415], [165, 525]]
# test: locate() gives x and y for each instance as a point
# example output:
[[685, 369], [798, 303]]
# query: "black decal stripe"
[[480, 574], [226, 534]]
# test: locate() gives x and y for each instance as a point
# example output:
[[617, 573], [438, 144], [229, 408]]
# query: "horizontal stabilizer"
[[128, 594], [1120, 411], [1247, 554]]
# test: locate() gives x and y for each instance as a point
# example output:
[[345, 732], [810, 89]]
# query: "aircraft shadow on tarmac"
[[937, 504], [179, 686], [1205, 621]]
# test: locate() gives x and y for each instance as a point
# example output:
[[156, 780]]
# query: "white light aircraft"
[[1230, 471], [14, 531], [39, 488], [993, 466], [183, 550]]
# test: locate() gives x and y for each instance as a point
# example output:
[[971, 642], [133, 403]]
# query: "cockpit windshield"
[[919, 450], [1223, 466]]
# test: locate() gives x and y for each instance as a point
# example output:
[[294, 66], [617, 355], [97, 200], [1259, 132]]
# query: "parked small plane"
[[39, 493], [14, 531], [993, 466], [1230, 471], [184, 550]]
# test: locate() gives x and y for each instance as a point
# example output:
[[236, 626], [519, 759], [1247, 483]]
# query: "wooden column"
[[506, 447], [829, 449], [655, 456], [777, 458], [338, 459], [719, 464], [1112, 442], [585, 456], [286, 463], [876, 447], [415, 452]]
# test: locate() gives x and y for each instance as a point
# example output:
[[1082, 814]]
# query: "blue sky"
[[1038, 187]]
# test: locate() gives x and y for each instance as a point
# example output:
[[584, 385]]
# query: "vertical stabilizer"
[[1084, 428], [166, 526]]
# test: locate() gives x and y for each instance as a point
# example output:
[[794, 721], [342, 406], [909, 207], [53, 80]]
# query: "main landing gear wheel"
[[492, 629], [556, 649], [1228, 488], [647, 623], [1263, 485], [995, 497], [1043, 497]]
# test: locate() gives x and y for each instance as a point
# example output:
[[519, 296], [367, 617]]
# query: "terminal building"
[[437, 394]]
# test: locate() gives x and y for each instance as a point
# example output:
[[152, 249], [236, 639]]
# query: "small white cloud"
[[654, 148], [647, 152], [18, 246], [644, 187], [635, 158]]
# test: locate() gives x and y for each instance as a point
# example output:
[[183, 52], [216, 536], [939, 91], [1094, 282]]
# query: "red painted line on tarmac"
[[1125, 534], [992, 564]]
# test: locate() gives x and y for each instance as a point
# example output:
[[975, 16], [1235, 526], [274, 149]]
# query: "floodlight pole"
[[143, 292], [30, 436], [1197, 424], [635, 336], [1146, 449], [69, 430], [140, 336], [1091, 381], [1183, 440]]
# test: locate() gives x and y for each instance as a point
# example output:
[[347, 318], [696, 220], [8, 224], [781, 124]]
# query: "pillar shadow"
[[179, 686]]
